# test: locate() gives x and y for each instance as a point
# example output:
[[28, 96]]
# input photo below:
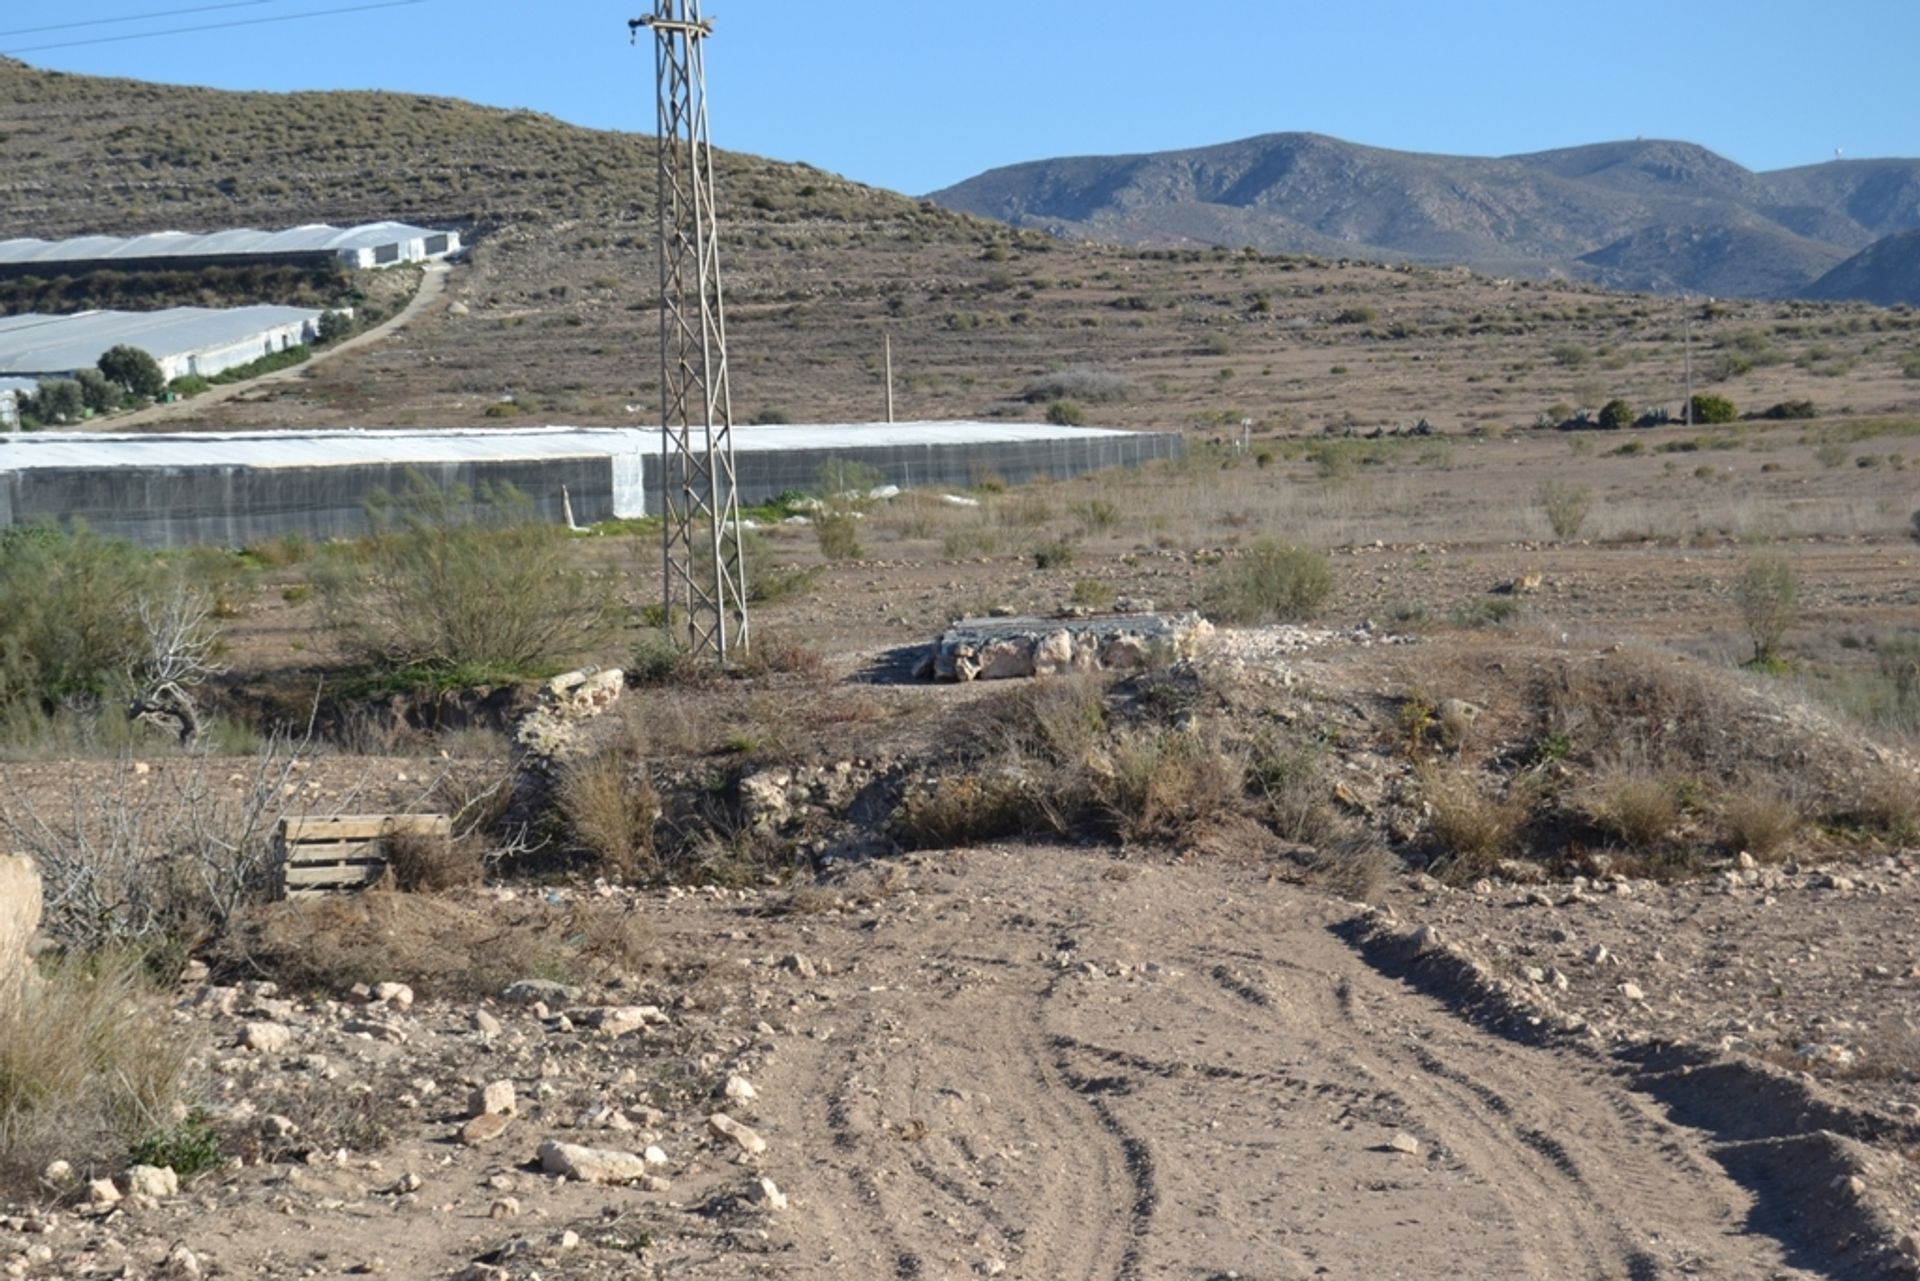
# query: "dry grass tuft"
[[1887, 802], [1167, 784], [444, 946], [1759, 819], [421, 863], [1473, 828], [90, 1062], [1639, 807], [611, 809]]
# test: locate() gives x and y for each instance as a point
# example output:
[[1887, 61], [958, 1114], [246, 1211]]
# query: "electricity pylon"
[[705, 573]]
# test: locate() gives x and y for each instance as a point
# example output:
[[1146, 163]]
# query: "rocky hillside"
[[1648, 215], [96, 154], [1886, 272]]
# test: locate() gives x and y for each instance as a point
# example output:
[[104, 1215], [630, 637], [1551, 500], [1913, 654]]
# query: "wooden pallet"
[[349, 852]]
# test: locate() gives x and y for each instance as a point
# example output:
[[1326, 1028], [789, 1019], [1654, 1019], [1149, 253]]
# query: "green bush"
[[838, 532], [333, 326], [1768, 595], [449, 583], [1708, 408], [68, 627], [1616, 415], [1270, 582], [133, 370], [1066, 413], [1791, 410]]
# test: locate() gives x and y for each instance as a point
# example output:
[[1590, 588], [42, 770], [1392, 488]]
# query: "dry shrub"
[[427, 863], [776, 653], [90, 1061], [1758, 819], [1473, 828], [1638, 806], [1886, 801], [1291, 778], [611, 808], [1352, 863], [963, 810], [453, 946], [1166, 784]]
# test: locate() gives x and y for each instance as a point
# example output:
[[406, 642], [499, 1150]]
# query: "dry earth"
[[1047, 1062]]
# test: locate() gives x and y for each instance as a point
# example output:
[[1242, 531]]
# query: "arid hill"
[[1644, 215]]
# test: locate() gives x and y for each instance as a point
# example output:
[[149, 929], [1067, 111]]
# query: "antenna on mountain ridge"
[[701, 557]]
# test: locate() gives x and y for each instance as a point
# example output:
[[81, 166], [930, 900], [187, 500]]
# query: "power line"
[[136, 17], [218, 26]]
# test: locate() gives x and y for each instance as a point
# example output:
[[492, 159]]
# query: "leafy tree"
[[133, 370], [69, 626], [96, 391], [58, 400], [334, 325], [1617, 414]]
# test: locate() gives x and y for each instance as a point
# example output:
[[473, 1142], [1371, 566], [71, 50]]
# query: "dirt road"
[[1029, 1062], [433, 284], [1076, 1068]]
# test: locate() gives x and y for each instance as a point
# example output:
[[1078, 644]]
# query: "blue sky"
[[916, 94]]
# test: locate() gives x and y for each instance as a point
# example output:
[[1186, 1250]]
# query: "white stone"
[[738, 1087], [724, 1126], [592, 1165], [766, 1194], [496, 1098], [266, 1038]]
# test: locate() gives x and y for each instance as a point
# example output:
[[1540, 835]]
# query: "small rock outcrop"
[[985, 649]]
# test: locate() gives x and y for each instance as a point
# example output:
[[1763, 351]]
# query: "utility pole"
[[1689, 407], [704, 571], [889, 378]]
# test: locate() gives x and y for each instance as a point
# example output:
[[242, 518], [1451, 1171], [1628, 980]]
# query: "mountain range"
[[1659, 216]]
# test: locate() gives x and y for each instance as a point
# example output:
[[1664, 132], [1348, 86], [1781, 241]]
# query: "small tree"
[[96, 391], [1769, 598], [1713, 409], [58, 400], [182, 644], [333, 326], [1617, 414], [133, 370]]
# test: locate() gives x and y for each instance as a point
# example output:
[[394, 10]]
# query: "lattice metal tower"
[[705, 572]]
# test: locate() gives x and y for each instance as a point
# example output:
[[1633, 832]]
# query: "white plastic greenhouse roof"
[[314, 238], [34, 344], [340, 448]]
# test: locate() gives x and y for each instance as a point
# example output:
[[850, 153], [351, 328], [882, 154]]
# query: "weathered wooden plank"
[[336, 852], [342, 874], [363, 827]]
